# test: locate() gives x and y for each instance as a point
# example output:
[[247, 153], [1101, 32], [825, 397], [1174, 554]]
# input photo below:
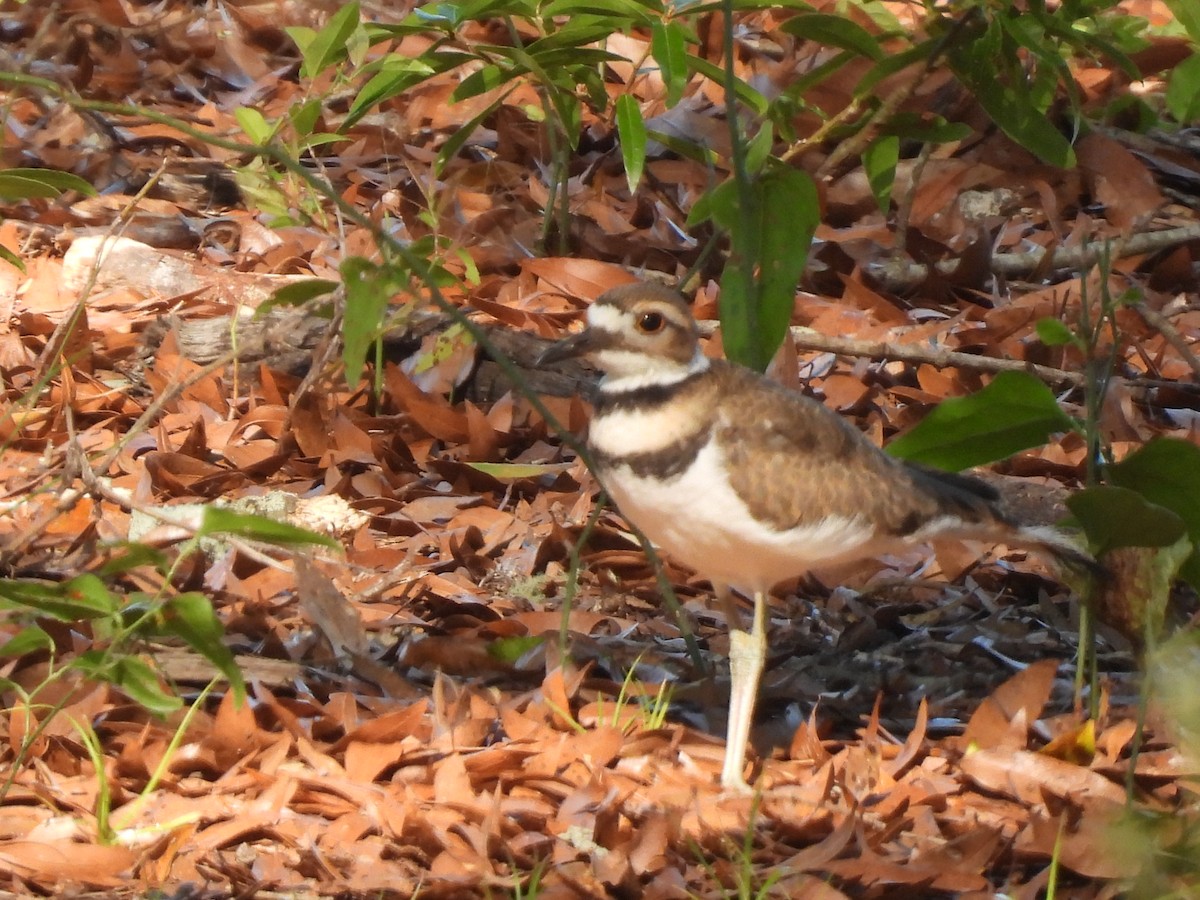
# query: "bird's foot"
[[735, 787]]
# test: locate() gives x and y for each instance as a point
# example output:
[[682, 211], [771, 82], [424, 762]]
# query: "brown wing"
[[795, 462]]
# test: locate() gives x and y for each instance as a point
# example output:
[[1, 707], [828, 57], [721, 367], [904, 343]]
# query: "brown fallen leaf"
[[1024, 694], [55, 862], [1025, 776]]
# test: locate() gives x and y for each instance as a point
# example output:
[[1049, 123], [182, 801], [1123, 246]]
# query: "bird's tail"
[[1060, 546]]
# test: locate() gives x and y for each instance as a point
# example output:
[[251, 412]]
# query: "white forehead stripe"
[[606, 317]]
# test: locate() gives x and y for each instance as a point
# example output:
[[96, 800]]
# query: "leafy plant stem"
[[1139, 733], [1083, 657], [128, 813], [30, 739], [710, 247], [1052, 874], [1096, 384], [1094, 319], [87, 735], [557, 215], [840, 118], [859, 140], [623, 693], [744, 238], [905, 202]]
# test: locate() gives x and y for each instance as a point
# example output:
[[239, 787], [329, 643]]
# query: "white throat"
[[628, 370]]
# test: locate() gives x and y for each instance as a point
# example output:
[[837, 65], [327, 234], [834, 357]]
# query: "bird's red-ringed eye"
[[651, 323]]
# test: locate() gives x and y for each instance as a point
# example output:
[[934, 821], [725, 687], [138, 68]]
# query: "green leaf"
[[790, 215], [756, 311], [141, 684], [81, 598], [618, 14], [1183, 91], [302, 36], [396, 75], [917, 55], [1166, 472], [329, 44], [1013, 413], [11, 258], [218, 520], [191, 617], [568, 49], [25, 184], [1025, 123], [481, 81], [367, 295], [1113, 517], [744, 92], [688, 150], [834, 31], [1055, 333], [739, 304], [479, 10], [90, 592], [1014, 99], [304, 117], [255, 125], [1187, 14], [668, 46], [26, 641], [700, 9], [631, 130], [1173, 668], [320, 140], [929, 129], [880, 160], [758, 148], [514, 471], [133, 555], [296, 294], [511, 649], [455, 142]]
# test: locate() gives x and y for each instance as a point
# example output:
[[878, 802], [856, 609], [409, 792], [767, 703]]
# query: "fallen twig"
[[898, 274], [1164, 327], [807, 339]]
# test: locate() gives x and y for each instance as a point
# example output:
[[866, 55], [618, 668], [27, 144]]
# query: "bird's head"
[[637, 334]]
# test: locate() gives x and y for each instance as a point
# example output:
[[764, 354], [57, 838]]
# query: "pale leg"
[[747, 655]]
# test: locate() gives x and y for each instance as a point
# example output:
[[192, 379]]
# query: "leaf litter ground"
[[425, 719]]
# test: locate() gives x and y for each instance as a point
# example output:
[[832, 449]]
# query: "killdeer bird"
[[749, 483]]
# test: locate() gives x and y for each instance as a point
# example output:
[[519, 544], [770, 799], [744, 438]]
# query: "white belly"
[[699, 520]]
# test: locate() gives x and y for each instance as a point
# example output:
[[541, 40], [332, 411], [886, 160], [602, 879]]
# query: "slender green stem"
[[127, 813], [575, 562], [30, 739], [745, 239], [1139, 732], [672, 601], [558, 201]]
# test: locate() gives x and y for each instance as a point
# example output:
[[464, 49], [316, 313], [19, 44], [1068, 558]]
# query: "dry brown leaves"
[[415, 726]]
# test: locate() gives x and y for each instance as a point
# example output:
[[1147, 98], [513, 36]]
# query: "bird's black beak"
[[568, 348]]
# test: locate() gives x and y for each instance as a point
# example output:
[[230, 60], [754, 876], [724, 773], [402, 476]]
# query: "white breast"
[[622, 432], [699, 520]]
